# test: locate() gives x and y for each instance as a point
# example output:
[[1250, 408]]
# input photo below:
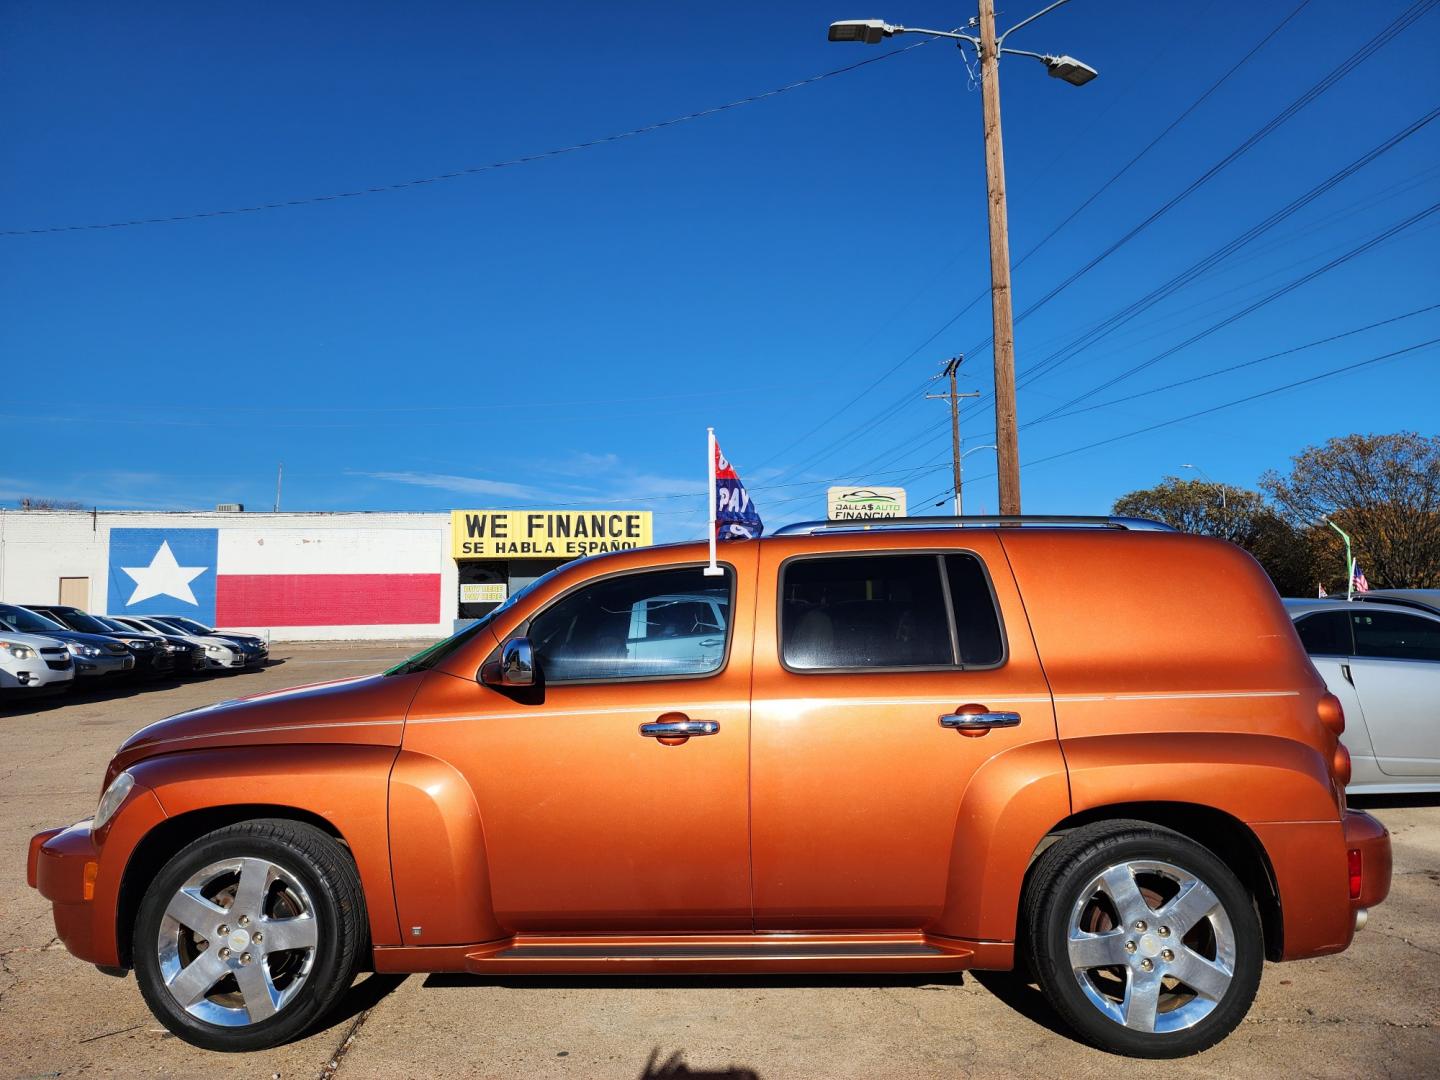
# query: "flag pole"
[[713, 570], [1349, 560]]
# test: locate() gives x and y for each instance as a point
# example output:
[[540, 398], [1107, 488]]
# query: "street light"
[[1206, 477], [989, 48], [967, 453]]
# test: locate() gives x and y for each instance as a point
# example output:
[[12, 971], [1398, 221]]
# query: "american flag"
[[1358, 581], [1322, 593]]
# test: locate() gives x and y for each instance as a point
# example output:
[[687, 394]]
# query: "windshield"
[[165, 626], [426, 659], [86, 624], [27, 622], [189, 625]]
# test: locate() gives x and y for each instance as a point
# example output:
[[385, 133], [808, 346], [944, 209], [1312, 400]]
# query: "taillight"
[[1340, 765], [1331, 713], [1357, 877]]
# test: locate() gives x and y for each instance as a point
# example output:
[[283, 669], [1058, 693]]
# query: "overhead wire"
[[472, 170]]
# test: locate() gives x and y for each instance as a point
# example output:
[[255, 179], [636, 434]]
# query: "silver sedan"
[[1382, 660]]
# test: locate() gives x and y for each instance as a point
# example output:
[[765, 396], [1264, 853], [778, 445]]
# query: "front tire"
[[1143, 941], [249, 935]]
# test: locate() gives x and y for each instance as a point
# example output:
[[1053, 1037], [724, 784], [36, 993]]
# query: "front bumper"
[[34, 675], [89, 666], [80, 872]]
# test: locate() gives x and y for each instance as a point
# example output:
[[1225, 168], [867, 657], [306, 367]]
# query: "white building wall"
[[38, 548]]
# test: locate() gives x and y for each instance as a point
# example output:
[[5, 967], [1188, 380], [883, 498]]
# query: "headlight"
[[138, 644], [215, 648], [18, 651], [111, 800], [78, 649]]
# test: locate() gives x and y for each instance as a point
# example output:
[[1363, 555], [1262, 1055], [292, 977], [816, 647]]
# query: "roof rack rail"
[[970, 521]]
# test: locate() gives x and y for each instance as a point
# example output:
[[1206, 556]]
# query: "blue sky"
[[561, 332]]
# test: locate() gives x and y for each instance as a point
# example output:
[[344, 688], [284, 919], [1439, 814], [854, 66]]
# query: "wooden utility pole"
[[1007, 444], [952, 369]]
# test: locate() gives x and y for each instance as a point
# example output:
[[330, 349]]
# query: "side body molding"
[[343, 785], [442, 879]]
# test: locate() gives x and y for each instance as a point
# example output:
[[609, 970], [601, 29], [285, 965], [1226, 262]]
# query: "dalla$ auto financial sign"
[[846, 504], [547, 534]]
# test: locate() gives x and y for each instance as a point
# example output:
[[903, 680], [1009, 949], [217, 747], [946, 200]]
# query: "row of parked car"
[[49, 647]]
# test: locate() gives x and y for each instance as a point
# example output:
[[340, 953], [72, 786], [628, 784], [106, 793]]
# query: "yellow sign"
[[547, 534], [484, 593]]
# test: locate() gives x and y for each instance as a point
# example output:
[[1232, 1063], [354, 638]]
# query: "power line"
[[1270, 298], [1096, 194], [1196, 269], [1331, 373], [1344, 68], [526, 159]]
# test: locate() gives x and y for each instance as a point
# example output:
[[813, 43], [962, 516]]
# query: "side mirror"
[[516, 666]]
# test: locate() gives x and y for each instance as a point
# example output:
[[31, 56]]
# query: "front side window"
[[1326, 633], [657, 624], [1393, 636], [888, 611]]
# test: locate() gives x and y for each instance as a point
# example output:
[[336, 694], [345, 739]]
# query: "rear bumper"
[[1311, 861], [1365, 835], [80, 872]]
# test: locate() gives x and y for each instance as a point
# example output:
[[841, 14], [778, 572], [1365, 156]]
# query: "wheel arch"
[[1231, 841], [171, 835]]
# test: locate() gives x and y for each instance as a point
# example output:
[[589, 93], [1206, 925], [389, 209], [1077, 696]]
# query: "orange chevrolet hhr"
[[1093, 746]]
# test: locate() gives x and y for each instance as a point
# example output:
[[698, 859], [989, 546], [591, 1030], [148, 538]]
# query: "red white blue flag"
[[735, 514], [1358, 580]]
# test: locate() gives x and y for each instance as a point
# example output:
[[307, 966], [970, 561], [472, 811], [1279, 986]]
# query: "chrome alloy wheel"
[[237, 941], [1151, 946]]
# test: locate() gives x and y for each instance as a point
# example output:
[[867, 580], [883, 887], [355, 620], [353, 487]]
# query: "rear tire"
[[249, 936], [1143, 940]]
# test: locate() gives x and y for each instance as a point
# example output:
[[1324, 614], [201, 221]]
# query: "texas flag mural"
[[264, 578]]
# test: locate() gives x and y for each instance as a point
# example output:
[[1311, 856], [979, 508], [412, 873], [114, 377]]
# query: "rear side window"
[[887, 611], [1393, 636], [1326, 633]]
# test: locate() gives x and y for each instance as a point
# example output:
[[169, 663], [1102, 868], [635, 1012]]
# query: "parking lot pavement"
[[1372, 1011]]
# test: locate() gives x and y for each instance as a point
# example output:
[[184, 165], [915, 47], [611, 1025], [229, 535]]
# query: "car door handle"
[[679, 729], [978, 721]]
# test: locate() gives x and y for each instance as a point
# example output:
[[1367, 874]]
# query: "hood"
[[369, 710], [100, 641], [35, 641]]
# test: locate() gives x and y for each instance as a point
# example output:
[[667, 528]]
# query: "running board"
[[720, 953]]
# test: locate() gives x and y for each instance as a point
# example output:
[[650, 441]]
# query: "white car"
[[1383, 662], [219, 652], [33, 662]]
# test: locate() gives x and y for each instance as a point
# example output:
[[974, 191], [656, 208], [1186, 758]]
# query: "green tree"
[[1234, 514], [1384, 490]]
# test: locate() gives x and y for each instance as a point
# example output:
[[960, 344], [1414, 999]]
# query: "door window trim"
[[872, 553], [522, 629], [1344, 615], [1355, 640]]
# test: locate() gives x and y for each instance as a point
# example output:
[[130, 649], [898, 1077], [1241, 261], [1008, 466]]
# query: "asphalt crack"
[[337, 1057]]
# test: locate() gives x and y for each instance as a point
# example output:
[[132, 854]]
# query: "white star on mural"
[[163, 577]]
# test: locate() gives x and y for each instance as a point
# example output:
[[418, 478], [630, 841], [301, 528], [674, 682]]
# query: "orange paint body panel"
[[830, 823]]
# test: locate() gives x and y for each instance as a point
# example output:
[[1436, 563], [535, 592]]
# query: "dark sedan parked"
[[154, 656], [255, 651], [189, 657]]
